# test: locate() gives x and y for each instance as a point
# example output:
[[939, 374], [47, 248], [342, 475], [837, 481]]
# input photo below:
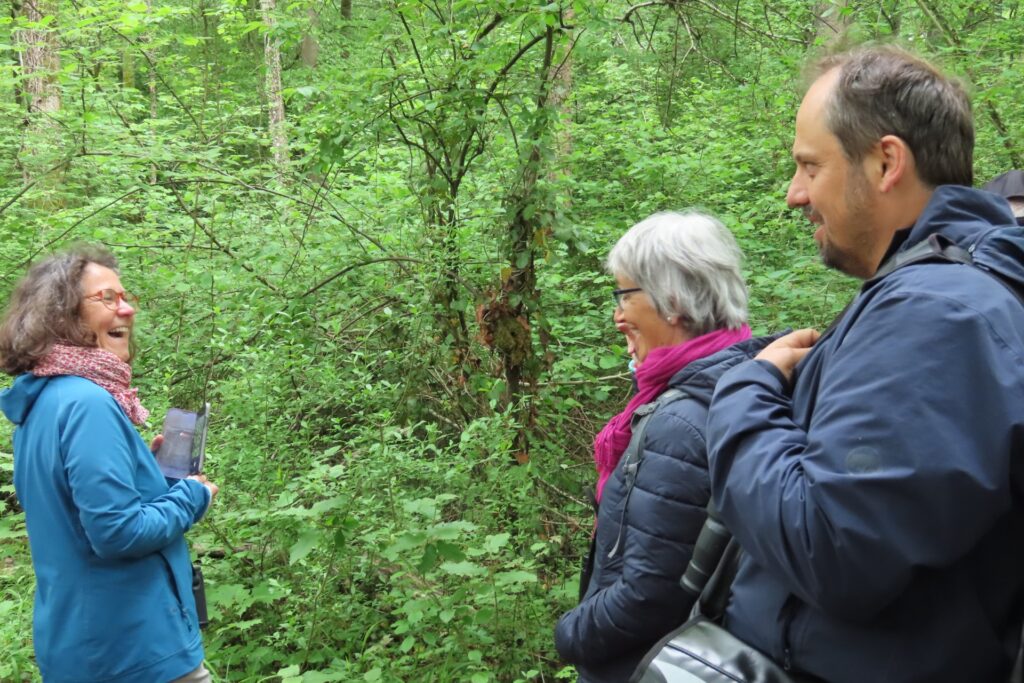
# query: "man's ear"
[[896, 161]]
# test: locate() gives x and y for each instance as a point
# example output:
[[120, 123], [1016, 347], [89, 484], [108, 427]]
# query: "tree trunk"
[[153, 100], [39, 61], [309, 49], [509, 318], [275, 101]]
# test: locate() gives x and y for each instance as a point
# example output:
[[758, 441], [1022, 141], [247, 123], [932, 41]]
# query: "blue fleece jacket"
[[113, 600], [880, 501]]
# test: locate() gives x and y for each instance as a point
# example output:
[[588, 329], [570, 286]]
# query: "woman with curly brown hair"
[[113, 598]]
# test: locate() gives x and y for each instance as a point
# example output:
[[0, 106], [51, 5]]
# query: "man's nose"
[[796, 195]]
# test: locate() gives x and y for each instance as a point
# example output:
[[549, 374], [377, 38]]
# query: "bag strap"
[[634, 453], [712, 568], [941, 248]]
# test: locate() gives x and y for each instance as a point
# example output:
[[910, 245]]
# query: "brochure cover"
[[183, 451]]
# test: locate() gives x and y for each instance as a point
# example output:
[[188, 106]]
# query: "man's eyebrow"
[[802, 157]]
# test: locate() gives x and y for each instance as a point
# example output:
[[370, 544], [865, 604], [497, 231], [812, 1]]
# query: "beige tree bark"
[[39, 61], [151, 85], [275, 101], [309, 49]]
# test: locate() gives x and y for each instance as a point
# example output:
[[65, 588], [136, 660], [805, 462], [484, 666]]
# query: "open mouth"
[[120, 332]]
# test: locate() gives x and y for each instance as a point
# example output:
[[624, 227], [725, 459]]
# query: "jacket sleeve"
[[664, 515], [100, 462], [903, 464]]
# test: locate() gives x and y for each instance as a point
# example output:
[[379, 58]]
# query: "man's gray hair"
[[884, 90], [45, 308], [689, 265]]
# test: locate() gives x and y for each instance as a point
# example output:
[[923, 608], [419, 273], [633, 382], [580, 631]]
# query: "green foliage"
[[380, 518]]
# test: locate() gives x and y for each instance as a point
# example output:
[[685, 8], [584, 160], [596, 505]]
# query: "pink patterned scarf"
[[99, 366], [652, 378]]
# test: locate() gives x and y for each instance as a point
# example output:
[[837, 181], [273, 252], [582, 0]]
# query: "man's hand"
[[785, 352]]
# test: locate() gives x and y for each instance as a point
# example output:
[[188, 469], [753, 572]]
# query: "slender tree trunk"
[[309, 49], [275, 101], [153, 99], [346, 9], [39, 61]]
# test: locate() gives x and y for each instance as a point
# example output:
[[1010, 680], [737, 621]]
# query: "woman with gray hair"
[[682, 304], [113, 600]]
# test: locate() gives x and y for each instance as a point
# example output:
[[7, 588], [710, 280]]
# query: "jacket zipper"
[[788, 613]]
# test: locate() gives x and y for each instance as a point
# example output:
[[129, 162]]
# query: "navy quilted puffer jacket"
[[634, 598]]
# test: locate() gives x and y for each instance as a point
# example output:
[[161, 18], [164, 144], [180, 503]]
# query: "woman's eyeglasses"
[[619, 293], [111, 298]]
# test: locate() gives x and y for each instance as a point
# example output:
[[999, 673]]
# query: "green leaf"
[[304, 545], [495, 542], [464, 568], [514, 577]]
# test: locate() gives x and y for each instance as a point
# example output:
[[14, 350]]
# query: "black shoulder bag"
[[701, 649]]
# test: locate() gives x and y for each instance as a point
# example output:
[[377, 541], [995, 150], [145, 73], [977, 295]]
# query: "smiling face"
[[833, 192], [112, 327], [638, 319]]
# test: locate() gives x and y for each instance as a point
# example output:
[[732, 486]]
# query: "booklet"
[[183, 451]]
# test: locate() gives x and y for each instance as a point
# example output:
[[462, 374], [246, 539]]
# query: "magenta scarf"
[[99, 366], [652, 378]]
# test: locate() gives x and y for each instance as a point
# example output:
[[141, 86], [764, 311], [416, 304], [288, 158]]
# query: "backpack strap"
[[935, 248], [939, 248], [634, 453]]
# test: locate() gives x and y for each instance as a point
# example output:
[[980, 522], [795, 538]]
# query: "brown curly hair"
[[45, 307]]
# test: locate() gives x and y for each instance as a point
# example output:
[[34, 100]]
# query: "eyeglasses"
[[619, 293], [112, 298]]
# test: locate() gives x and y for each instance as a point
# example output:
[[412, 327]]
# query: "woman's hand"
[[156, 443], [201, 478]]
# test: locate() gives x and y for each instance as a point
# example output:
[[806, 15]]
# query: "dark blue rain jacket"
[[880, 503]]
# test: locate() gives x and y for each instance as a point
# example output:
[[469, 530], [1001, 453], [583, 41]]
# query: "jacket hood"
[[17, 401], [698, 379], [978, 221]]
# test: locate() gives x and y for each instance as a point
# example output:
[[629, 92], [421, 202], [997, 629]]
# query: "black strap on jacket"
[[939, 248], [633, 456]]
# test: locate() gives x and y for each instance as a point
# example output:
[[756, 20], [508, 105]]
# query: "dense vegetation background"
[[371, 234]]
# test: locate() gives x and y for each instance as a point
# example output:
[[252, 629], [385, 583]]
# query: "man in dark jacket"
[[1009, 185], [874, 476]]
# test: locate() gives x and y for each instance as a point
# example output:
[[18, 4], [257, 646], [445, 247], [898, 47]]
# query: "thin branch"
[[63, 163], [67, 232], [223, 247], [353, 266], [740, 23], [488, 28], [627, 17]]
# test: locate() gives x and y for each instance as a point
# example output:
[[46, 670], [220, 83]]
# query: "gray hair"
[[689, 265], [45, 308], [884, 90]]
